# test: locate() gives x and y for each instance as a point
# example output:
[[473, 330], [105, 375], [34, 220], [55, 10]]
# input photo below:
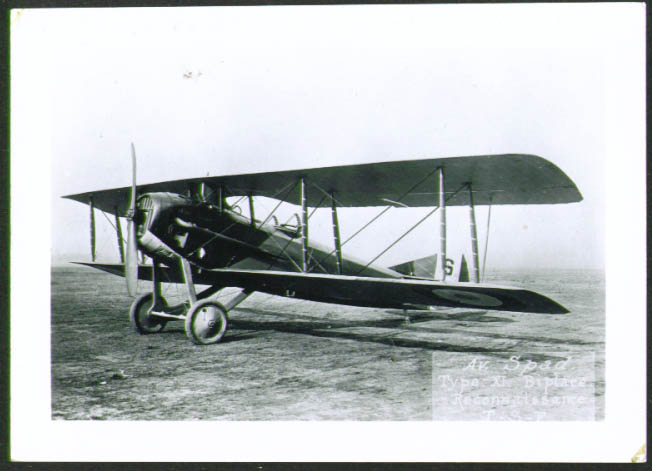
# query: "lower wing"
[[362, 291]]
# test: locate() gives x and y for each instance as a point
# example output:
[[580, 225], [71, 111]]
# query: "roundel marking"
[[467, 297]]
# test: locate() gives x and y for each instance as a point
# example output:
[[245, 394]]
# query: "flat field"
[[287, 359]]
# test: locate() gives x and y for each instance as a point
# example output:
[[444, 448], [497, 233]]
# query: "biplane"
[[194, 236]]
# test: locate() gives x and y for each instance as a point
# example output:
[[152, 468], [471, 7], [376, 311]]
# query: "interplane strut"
[[474, 236], [442, 222], [304, 226]]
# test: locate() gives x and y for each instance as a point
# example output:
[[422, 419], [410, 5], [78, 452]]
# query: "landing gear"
[[206, 322], [140, 314]]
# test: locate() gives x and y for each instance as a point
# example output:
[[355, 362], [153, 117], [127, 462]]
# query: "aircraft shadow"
[[331, 328], [297, 323], [471, 316], [229, 337], [307, 325], [324, 331]]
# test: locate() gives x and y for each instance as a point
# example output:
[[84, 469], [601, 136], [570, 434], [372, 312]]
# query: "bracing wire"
[[430, 213], [113, 226], [269, 216], [412, 188]]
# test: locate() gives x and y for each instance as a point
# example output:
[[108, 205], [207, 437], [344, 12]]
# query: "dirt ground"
[[286, 359]]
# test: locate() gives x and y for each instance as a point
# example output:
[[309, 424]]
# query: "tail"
[[422, 268], [426, 267]]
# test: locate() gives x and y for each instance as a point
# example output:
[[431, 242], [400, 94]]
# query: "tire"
[[142, 322], [206, 322]]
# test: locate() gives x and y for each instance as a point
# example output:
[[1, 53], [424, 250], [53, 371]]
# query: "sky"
[[250, 89]]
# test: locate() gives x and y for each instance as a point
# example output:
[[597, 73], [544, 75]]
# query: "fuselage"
[[170, 225]]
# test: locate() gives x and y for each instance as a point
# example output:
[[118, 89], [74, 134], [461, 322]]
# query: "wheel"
[[141, 320], [206, 322]]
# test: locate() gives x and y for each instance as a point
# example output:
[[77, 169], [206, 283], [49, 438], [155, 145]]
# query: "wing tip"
[[544, 305], [558, 309], [83, 198]]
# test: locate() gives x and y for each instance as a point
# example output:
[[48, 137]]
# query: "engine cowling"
[[155, 223]]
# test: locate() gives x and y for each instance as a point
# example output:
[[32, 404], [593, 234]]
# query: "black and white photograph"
[[329, 233]]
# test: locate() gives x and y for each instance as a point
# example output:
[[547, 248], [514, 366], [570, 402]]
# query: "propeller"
[[131, 267]]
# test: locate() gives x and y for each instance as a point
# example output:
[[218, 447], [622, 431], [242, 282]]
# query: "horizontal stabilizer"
[[421, 268], [393, 293], [426, 267]]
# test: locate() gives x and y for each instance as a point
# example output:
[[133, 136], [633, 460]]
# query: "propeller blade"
[[132, 204], [131, 267]]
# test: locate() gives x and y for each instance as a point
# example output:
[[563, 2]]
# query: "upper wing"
[[361, 291], [495, 179]]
